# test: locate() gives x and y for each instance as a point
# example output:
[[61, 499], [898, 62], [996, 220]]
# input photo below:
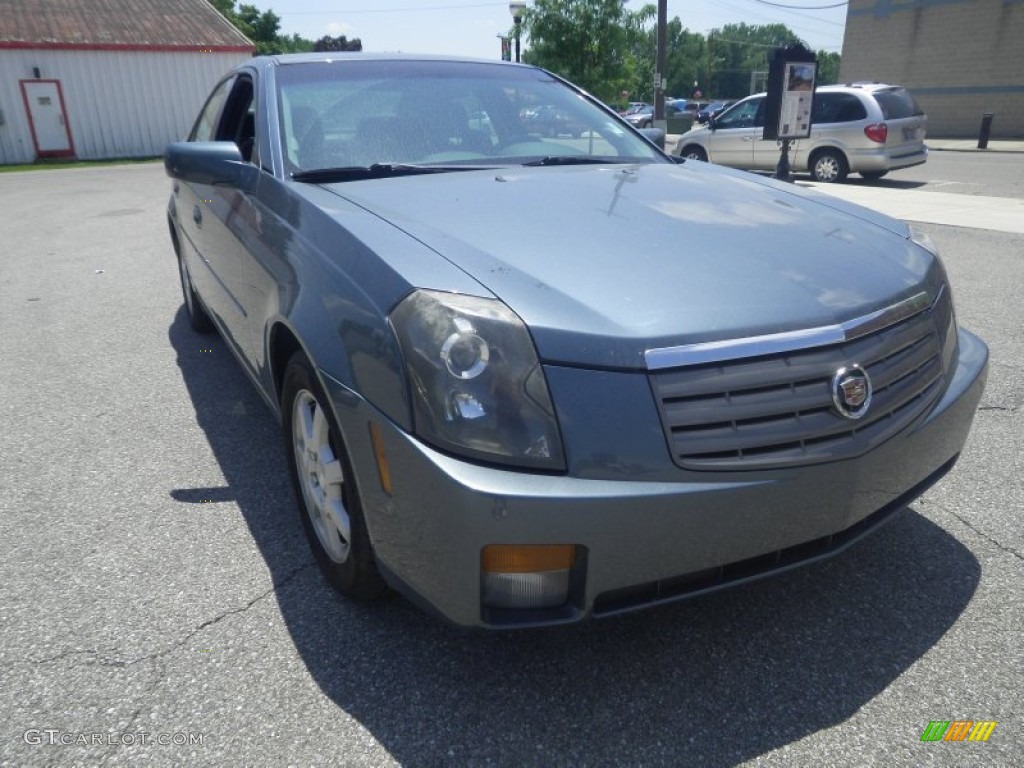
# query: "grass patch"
[[51, 164]]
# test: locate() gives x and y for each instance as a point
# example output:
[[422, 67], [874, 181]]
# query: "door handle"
[[197, 216]]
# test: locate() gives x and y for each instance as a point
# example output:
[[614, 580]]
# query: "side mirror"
[[209, 162], [711, 122], [654, 135]]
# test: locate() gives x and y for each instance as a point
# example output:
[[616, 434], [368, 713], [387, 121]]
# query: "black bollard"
[[782, 170], [986, 129]]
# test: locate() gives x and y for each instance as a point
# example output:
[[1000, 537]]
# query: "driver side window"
[[238, 121], [206, 124], [743, 115]]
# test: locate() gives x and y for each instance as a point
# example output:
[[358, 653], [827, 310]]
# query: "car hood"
[[605, 262]]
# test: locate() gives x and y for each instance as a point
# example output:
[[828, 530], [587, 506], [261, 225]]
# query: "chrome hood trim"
[[775, 343]]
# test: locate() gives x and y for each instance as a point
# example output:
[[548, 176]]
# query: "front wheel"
[[694, 152], [829, 166], [324, 486]]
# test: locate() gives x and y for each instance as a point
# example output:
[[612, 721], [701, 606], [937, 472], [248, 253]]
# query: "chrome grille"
[[777, 409]]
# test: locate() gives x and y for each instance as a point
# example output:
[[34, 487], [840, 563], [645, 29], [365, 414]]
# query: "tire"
[[197, 315], [694, 152], [873, 175], [829, 166], [324, 486]]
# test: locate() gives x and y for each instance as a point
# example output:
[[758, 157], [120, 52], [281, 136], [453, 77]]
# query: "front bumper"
[[643, 537]]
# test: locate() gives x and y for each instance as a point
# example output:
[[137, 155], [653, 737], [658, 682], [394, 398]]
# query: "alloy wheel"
[[320, 476]]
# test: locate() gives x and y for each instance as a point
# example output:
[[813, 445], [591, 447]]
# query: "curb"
[[997, 150]]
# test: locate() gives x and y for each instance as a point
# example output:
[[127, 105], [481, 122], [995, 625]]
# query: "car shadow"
[[858, 181], [884, 183], [713, 681]]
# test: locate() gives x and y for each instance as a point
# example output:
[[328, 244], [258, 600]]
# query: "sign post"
[[791, 81]]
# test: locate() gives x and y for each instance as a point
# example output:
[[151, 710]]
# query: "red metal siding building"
[[107, 78]]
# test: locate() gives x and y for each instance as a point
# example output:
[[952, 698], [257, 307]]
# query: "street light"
[[517, 8]]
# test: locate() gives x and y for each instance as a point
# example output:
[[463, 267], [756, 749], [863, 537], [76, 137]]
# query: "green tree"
[[262, 27], [738, 51], [828, 68], [342, 43], [589, 42], [684, 61]]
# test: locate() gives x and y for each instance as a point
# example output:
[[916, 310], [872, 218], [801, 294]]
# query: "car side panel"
[[733, 146]]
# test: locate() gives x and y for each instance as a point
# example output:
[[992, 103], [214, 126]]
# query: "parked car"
[[685, 105], [714, 109], [549, 120], [641, 118], [644, 117], [865, 128], [488, 407], [635, 106]]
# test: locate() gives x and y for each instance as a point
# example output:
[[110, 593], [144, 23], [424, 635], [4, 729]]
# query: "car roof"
[[332, 56], [840, 87]]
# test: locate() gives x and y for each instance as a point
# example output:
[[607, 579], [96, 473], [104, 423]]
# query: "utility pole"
[[659, 67], [710, 89]]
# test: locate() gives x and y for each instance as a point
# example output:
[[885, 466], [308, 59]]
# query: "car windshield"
[[354, 114]]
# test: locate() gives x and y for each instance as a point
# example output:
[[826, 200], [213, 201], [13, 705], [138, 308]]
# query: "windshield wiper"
[[376, 171], [574, 160]]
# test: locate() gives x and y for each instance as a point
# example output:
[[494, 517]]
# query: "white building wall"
[[118, 103]]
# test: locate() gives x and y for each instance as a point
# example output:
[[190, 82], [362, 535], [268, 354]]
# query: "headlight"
[[477, 386]]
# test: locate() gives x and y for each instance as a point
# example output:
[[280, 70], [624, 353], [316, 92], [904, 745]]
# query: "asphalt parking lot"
[[158, 602]]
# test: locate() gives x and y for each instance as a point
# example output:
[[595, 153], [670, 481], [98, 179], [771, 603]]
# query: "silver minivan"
[[865, 128]]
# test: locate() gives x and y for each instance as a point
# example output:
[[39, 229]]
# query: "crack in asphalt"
[[107, 662], [1007, 408], [158, 677], [220, 617], [158, 656], [982, 534]]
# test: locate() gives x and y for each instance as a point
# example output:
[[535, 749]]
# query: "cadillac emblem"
[[851, 391]]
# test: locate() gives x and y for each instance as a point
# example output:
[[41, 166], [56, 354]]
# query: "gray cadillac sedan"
[[524, 379]]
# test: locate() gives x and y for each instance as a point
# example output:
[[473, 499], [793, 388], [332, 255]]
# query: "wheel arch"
[[844, 160], [174, 235], [282, 344], [820, 148]]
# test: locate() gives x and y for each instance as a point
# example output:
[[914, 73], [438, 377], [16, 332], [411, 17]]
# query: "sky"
[[472, 27]]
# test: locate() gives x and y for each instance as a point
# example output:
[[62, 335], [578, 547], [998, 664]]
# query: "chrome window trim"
[[788, 341]]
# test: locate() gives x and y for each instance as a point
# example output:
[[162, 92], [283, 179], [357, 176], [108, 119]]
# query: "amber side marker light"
[[383, 470], [534, 576]]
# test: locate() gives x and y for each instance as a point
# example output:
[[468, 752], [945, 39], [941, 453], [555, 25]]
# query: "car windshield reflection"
[[387, 114]]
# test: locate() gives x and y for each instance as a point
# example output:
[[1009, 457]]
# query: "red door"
[[44, 103]]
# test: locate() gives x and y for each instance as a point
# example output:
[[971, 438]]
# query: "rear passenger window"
[[897, 104], [837, 108]]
